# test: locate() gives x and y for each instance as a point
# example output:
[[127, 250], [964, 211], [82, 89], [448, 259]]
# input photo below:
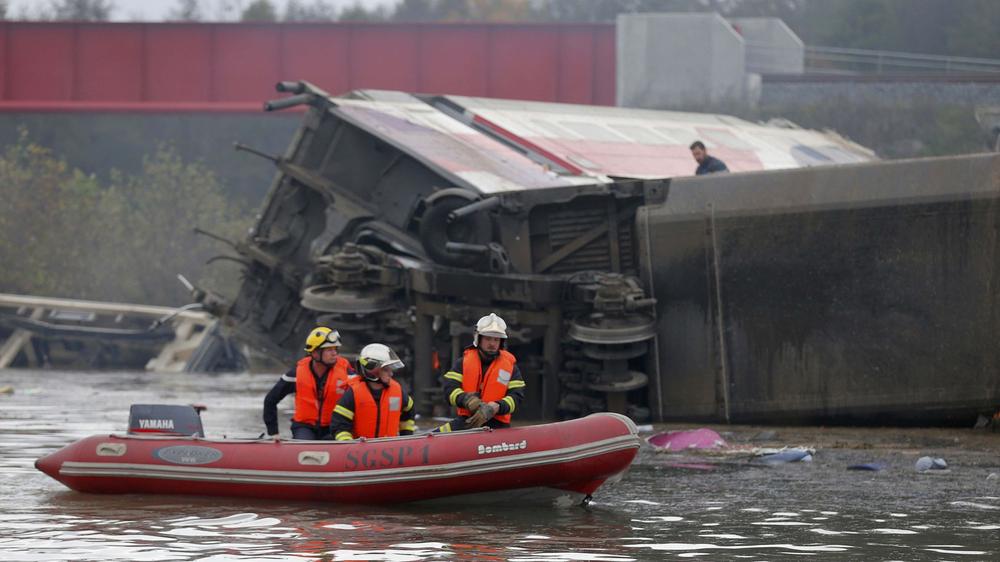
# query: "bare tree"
[[228, 10], [185, 10], [81, 10], [319, 10], [357, 12]]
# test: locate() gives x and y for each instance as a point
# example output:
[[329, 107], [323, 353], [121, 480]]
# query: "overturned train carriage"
[[820, 293]]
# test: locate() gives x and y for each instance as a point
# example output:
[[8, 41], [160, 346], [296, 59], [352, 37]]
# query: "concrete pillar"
[[771, 47], [672, 60]]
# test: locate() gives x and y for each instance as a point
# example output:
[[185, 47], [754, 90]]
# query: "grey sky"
[[156, 10]]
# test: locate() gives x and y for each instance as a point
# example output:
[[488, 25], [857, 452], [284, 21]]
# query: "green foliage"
[[976, 32], [893, 130], [63, 233]]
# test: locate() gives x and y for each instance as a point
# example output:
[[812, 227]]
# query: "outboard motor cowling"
[[164, 419]]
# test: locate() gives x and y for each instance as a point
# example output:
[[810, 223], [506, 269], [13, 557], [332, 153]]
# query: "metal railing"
[[836, 59], [839, 60]]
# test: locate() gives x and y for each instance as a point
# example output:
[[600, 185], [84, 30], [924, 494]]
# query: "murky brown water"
[[727, 509]]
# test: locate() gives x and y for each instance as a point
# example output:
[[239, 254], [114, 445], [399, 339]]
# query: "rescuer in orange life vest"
[[374, 405], [318, 381], [485, 383]]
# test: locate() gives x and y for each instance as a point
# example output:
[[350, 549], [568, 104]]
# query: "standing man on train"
[[484, 384], [318, 380], [706, 164]]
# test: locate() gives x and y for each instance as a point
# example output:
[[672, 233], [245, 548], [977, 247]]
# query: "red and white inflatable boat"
[[567, 460]]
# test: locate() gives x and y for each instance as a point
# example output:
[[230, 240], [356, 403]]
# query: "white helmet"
[[376, 355], [490, 325]]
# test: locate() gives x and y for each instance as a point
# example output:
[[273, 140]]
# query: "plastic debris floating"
[[697, 439], [931, 464]]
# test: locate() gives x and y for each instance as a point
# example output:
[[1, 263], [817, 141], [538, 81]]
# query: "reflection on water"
[[665, 508]]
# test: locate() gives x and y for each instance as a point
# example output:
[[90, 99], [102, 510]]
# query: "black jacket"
[[711, 165]]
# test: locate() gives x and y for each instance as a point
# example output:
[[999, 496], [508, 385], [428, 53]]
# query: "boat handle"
[[111, 449], [314, 457]]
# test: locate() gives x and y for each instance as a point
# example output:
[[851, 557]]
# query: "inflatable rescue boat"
[[164, 453]]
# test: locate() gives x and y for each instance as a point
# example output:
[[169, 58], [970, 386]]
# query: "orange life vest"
[[493, 386], [307, 403], [376, 420]]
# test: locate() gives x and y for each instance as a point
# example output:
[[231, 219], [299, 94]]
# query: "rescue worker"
[[374, 404], [318, 380], [484, 384]]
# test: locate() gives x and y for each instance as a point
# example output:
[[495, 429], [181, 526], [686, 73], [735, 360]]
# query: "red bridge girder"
[[76, 66]]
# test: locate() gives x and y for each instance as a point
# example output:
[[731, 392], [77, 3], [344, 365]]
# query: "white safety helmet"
[[490, 325], [376, 355]]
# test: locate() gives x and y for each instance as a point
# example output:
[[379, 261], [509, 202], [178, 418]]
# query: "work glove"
[[484, 414], [472, 402]]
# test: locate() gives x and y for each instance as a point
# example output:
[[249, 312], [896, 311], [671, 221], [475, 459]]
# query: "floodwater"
[[666, 507]]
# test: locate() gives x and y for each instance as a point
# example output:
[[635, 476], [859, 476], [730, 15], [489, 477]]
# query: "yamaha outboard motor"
[[163, 419]]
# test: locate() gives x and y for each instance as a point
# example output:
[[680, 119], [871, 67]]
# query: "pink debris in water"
[[688, 439]]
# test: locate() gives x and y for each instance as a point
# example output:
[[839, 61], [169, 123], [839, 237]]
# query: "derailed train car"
[[403, 219]]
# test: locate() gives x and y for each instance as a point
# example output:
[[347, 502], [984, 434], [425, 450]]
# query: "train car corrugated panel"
[[849, 293], [176, 68], [561, 226]]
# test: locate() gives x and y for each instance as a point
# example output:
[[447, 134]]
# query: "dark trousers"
[[309, 432]]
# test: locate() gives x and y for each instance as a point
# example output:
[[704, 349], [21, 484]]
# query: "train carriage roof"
[[494, 145]]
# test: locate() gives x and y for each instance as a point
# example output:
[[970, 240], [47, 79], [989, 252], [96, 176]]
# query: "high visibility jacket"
[[491, 387], [310, 408], [376, 419]]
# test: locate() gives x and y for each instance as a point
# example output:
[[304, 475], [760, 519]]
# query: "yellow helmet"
[[322, 337]]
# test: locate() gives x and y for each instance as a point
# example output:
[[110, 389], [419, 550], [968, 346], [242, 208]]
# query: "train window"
[[591, 131], [643, 135], [840, 155], [724, 138], [676, 136], [808, 156]]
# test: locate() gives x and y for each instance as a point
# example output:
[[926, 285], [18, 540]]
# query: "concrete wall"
[[771, 47], [777, 92], [668, 60]]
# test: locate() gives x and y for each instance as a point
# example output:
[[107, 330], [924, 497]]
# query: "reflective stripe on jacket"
[[379, 419], [307, 403], [491, 387]]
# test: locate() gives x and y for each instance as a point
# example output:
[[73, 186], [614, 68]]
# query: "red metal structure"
[[79, 66]]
